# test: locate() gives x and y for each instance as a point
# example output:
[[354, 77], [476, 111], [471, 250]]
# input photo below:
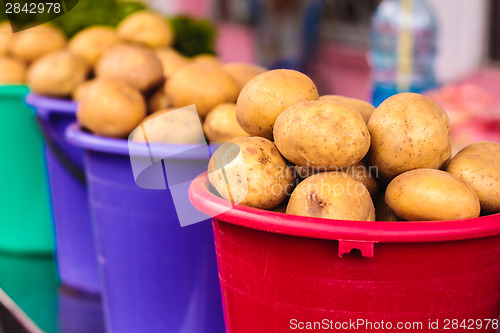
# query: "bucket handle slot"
[[366, 248]]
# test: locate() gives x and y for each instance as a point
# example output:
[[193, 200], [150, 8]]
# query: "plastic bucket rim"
[[88, 141], [13, 90], [45, 106], [340, 230]]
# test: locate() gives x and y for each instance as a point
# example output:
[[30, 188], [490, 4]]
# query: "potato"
[[243, 72], [92, 42], [158, 99], [146, 28], [81, 90], [111, 108], [12, 71], [134, 65], [178, 127], [479, 166], [36, 42], [221, 125], [430, 195], [207, 59], [57, 74], [257, 174], [5, 37], [322, 134], [359, 171], [206, 85], [267, 95], [365, 108], [383, 212], [171, 61], [332, 195], [409, 131]]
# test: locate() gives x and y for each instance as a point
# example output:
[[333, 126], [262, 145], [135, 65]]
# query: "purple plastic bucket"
[[76, 254], [157, 276]]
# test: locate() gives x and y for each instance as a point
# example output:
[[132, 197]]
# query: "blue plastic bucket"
[[157, 276], [76, 254]]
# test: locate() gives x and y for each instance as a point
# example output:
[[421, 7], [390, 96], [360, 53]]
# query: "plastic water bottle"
[[403, 48]]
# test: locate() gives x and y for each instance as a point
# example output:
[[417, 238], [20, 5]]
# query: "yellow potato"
[[431, 195], [204, 84], [146, 28], [359, 171], [365, 108], [12, 71], [36, 42], [207, 59], [92, 42], [111, 108], [221, 125], [257, 174], [57, 74], [332, 195], [322, 134], [135, 65], [171, 60], [243, 72], [267, 95], [5, 37], [479, 166], [81, 90], [408, 131], [178, 127]]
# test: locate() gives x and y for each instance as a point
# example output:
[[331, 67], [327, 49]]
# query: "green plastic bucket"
[[25, 211]]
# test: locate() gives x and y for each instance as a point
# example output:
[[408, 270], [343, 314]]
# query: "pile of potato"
[[126, 76], [333, 157], [21, 50]]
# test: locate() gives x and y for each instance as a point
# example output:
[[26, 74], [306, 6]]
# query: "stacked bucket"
[[123, 241], [274, 271]]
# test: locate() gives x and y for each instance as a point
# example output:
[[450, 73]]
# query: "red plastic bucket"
[[283, 273]]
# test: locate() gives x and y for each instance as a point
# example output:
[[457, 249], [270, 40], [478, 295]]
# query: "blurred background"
[[449, 49]]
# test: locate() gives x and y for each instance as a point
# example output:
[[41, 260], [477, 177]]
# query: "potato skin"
[[5, 37], [220, 124], [57, 74], [479, 166], [323, 134], [365, 108], [204, 84], [36, 42], [332, 195], [12, 71], [431, 195], [81, 90], [135, 65], [359, 171], [176, 128], [92, 42], [267, 95], [111, 108], [259, 178], [171, 60], [146, 28], [409, 131], [243, 72]]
